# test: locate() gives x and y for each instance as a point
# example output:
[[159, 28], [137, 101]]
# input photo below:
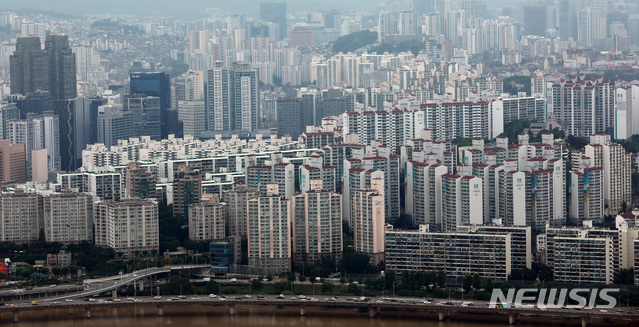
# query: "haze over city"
[[455, 162]]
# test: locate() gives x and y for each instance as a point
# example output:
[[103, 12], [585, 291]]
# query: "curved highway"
[[114, 282]]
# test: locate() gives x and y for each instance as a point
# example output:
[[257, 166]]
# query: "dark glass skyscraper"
[[62, 78], [29, 66], [275, 12], [157, 84]]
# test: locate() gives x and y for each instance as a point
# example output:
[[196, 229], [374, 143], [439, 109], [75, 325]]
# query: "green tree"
[[389, 278], [625, 276], [256, 283], [353, 289], [327, 288], [178, 285], [467, 283], [476, 282]]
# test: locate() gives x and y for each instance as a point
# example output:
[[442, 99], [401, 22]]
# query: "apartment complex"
[[207, 220], [269, 231], [68, 217], [457, 254], [368, 221], [129, 227], [317, 224], [187, 189], [21, 217]]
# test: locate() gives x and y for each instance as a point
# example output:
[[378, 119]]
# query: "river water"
[[195, 315]]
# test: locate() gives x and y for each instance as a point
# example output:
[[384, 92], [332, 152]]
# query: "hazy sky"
[[174, 8], [185, 8]]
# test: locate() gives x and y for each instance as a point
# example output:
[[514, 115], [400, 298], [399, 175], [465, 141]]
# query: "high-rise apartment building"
[[582, 107], [586, 195], [462, 201], [615, 161], [424, 193], [107, 186], [269, 231], [139, 182], [368, 220], [21, 217], [207, 220], [317, 224], [129, 227], [280, 173], [68, 217], [232, 99], [237, 200], [187, 189]]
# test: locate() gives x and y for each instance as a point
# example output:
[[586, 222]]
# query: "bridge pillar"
[[71, 311], [513, 318], [15, 315], [88, 312], [373, 311], [160, 310], [114, 293], [442, 315], [140, 285], [302, 310], [232, 309], [585, 321]]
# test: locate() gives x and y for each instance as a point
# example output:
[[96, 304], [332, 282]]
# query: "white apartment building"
[[21, 217], [317, 224], [237, 205], [129, 227], [614, 160], [269, 231], [68, 217], [207, 220], [368, 220]]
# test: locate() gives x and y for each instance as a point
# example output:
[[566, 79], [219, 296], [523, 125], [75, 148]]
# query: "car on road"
[[69, 300], [35, 302], [91, 300], [212, 296], [281, 297], [157, 297], [54, 285], [247, 296], [261, 297], [130, 299], [604, 311]]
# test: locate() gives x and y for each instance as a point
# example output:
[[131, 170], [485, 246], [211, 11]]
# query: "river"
[[194, 315]]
